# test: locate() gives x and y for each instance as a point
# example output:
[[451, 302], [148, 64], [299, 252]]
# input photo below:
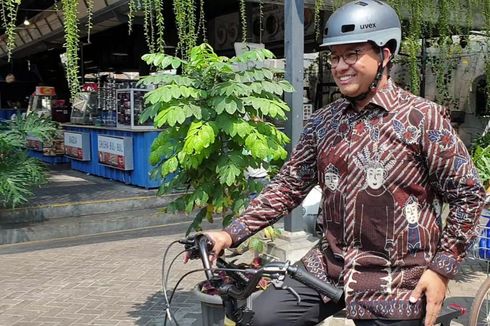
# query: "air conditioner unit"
[[226, 31], [273, 23]]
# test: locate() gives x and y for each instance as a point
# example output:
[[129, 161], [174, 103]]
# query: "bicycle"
[[246, 279], [480, 309]]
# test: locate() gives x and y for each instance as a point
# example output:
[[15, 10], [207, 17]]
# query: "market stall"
[[105, 137], [44, 104]]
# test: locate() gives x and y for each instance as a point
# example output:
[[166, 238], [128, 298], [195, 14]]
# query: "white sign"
[[77, 145], [116, 152], [73, 139], [111, 145]]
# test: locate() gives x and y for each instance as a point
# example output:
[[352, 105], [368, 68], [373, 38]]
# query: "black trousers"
[[279, 308]]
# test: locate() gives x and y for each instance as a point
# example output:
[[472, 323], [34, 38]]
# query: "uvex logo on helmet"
[[368, 26]]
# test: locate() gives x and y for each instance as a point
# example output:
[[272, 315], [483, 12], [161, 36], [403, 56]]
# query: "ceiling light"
[[26, 22]]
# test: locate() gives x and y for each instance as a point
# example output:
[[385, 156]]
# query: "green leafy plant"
[[480, 154], [18, 172], [214, 118]]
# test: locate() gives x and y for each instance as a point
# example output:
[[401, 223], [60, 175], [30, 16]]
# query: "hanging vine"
[[243, 19], [201, 27], [70, 24], [131, 11], [317, 10], [185, 19], [90, 12], [148, 24], [261, 19], [12, 7], [3, 14], [160, 26]]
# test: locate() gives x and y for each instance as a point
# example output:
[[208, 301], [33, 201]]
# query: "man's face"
[[411, 213], [354, 78], [331, 181], [374, 177]]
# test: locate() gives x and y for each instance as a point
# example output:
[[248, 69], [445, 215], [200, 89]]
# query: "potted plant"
[[214, 114], [214, 117], [212, 304]]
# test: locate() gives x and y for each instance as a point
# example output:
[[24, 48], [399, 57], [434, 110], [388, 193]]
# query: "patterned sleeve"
[[459, 185], [284, 192]]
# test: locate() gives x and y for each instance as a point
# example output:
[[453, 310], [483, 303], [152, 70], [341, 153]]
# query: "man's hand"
[[434, 287], [221, 240]]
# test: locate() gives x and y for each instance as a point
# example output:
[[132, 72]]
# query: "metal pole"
[[294, 53]]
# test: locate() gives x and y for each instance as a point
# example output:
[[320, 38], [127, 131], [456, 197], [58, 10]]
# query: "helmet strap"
[[372, 87]]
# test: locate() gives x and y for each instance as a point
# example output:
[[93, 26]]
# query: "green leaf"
[[169, 166], [170, 116], [228, 172], [200, 135], [286, 86], [257, 145], [196, 223]]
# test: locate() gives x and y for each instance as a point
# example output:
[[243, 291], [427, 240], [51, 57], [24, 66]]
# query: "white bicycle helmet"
[[362, 21]]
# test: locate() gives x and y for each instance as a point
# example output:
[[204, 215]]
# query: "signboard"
[[45, 90], [77, 145], [116, 152], [34, 143]]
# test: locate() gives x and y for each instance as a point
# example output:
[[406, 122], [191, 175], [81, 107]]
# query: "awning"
[[46, 28]]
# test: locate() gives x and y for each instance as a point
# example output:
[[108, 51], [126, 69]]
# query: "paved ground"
[[109, 280], [70, 186], [115, 279]]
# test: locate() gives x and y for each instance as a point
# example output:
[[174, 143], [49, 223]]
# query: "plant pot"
[[212, 310], [213, 313]]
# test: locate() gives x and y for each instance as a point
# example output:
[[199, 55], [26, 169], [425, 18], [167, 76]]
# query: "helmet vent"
[[348, 28], [361, 3]]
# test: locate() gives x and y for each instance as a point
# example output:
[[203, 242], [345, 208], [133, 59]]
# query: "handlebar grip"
[[204, 244], [310, 280]]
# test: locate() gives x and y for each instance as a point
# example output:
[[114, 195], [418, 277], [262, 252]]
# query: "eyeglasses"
[[349, 57]]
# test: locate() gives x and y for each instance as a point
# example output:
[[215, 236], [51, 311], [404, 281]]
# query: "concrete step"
[[39, 213], [55, 228]]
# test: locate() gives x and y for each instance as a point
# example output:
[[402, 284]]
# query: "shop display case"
[[84, 109], [40, 101], [130, 106]]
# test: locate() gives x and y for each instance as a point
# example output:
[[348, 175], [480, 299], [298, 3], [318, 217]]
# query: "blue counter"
[[140, 168], [6, 114]]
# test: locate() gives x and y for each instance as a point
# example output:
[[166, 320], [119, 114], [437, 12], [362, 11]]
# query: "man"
[[386, 145]]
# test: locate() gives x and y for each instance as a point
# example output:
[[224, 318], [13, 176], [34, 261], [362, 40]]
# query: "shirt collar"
[[385, 98]]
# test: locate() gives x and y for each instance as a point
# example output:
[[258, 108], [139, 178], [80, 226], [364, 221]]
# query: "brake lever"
[[279, 284]]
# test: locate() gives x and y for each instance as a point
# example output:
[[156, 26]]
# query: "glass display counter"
[[130, 106], [84, 109]]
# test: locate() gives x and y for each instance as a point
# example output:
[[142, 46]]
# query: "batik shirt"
[[389, 167]]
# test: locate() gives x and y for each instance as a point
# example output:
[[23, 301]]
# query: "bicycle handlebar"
[[311, 281], [200, 245]]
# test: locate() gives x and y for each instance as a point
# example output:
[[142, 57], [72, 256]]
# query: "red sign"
[[45, 90], [34, 143]]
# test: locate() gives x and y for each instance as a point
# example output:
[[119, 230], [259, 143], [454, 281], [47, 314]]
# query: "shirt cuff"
[[445, 264], [238, 232]]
